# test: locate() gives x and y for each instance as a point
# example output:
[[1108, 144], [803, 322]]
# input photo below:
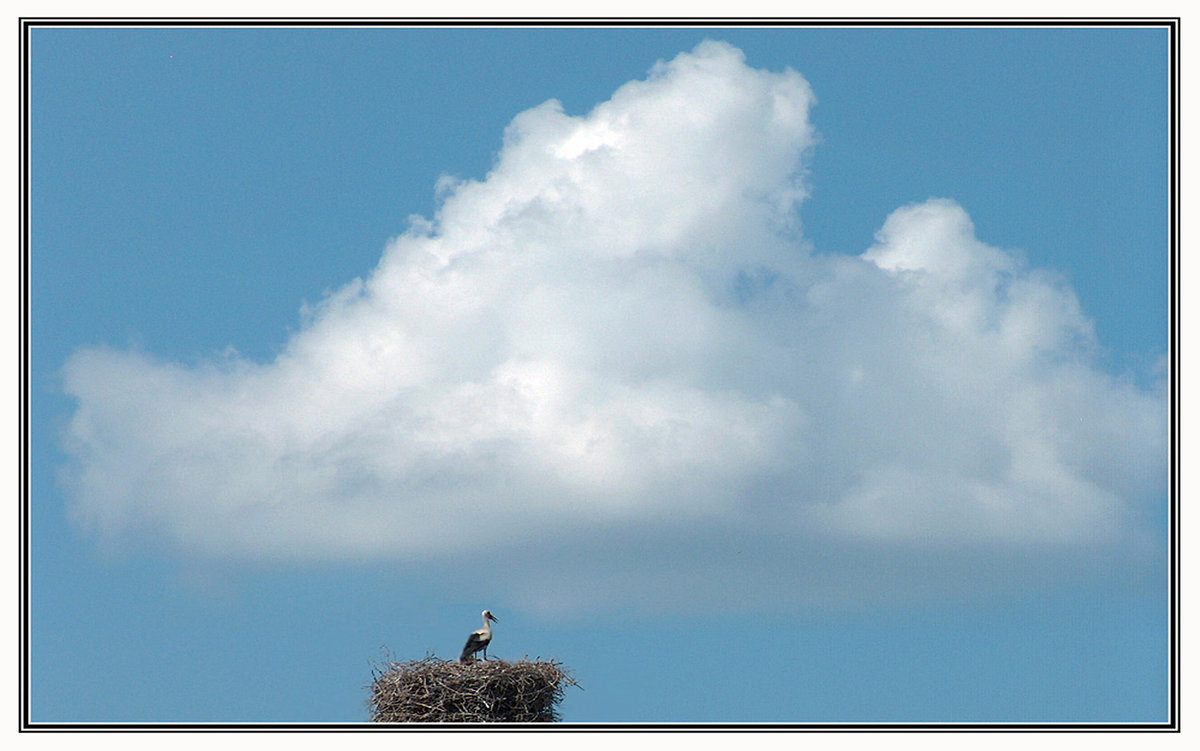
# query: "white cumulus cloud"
[[621, 328]]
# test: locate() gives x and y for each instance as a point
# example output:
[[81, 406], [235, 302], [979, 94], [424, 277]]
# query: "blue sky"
[[828, 361]]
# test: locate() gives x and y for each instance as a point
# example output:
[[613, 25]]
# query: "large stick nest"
[[433, 690]]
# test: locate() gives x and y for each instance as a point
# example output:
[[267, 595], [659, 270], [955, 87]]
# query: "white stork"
[[478, 640]]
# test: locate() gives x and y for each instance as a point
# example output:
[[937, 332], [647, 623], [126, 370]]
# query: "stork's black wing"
[[475, 643]]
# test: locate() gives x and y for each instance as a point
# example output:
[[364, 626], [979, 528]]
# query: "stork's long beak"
[[494, 618]]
